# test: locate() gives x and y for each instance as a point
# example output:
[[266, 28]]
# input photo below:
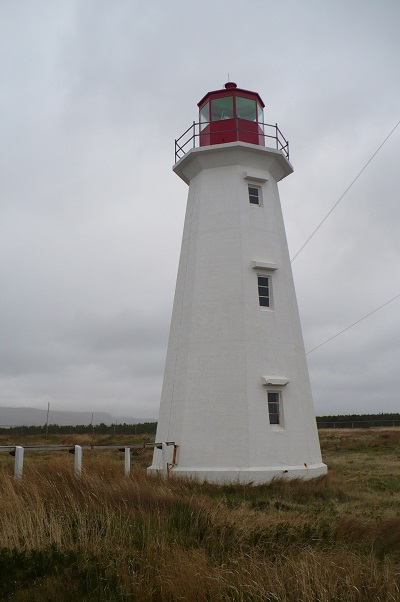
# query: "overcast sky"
[[93, 94]]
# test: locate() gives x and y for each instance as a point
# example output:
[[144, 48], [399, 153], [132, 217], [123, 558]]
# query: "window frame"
[[220, 101], [204, 113], [259, 195], [247, 102], [263, 286], [273, 414]]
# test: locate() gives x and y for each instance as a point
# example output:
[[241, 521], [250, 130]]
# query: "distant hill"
[[35, 417]]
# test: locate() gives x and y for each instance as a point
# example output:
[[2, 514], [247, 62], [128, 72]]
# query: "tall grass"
[[106, 537]]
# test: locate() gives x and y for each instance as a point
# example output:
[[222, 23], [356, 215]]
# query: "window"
[[264, 291], [222, 108], [246, 108], [274, 410], [255, 195], [204, 116], [260, 114]]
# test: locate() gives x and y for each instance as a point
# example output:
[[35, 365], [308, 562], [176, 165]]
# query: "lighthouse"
[[236, 403]]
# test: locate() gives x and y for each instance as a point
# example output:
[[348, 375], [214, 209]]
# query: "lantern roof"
[[230, 89]]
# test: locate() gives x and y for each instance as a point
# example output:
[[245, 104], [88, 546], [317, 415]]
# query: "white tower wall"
[[225, 352]]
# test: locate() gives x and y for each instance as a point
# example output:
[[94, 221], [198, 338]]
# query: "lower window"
[[274, 407]]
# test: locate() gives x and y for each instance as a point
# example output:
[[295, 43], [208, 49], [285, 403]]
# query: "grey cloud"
[[91, 216]]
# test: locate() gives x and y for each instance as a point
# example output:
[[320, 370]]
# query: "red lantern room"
[[230, 115]]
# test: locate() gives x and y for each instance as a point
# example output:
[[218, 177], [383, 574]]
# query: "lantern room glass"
[[222, 108], [204, 116], [260, 114], [246, 109]]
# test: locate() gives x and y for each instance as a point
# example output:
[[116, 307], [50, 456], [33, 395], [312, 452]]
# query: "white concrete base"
[[253, 475]]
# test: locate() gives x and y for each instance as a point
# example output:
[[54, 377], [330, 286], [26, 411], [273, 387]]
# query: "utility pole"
[[47, 419]]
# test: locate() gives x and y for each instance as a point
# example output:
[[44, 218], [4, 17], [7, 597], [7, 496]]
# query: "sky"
[[93, 94]]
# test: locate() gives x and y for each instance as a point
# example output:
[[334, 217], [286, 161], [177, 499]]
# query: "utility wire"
[[344, 194], [354, 323]]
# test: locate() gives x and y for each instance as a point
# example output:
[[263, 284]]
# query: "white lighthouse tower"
[[236, 398]]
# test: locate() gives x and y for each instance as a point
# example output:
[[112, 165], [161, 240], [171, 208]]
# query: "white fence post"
[[19, 462], [78, 461], [164, 464], [127, 461]]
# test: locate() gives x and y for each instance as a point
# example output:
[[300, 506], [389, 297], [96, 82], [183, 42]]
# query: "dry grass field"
[[106, 537]]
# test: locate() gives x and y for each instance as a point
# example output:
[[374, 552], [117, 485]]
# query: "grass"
[[111, 538]]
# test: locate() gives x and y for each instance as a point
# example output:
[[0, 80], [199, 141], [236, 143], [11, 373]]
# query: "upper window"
[[204, 115], [254, 195], [264, 296], [222, 108], [274, 407], [246, 108], [260, 114]]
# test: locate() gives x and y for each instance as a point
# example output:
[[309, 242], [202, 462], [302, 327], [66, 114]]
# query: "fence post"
[[164, 457], [127, 461], [19, 462], [78, 461]]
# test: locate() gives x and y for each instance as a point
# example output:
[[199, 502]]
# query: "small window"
[[246, 109], [255, 195], [264, 291], [260, 114], [204, 116], [222, 108], [274, 409]]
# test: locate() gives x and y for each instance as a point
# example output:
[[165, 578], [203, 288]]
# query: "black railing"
[[268, 132]]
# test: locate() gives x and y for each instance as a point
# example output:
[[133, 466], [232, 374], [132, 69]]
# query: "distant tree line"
[[358, 420], [149, 428], [145, 428]]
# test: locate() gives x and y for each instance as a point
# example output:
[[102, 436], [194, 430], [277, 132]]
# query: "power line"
[[344, 194], [354, 323]]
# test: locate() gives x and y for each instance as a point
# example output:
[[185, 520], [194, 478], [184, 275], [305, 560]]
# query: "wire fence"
[[357, 424]]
